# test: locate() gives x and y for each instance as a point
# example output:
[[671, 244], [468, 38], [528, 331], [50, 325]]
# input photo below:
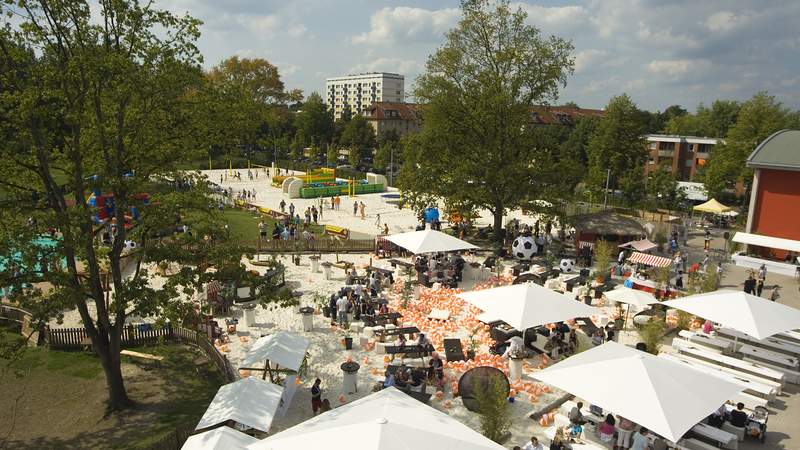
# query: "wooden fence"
[[77, 338], [316, 246]]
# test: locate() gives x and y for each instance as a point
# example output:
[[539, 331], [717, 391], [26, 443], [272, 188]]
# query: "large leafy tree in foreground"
[[475, 146], [103, 105]]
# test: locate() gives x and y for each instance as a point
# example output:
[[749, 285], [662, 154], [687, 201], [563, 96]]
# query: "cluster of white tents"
[[666, 397]]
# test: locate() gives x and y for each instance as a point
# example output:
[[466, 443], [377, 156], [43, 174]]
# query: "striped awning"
[[213, 287], [582, 244], [649, 260]]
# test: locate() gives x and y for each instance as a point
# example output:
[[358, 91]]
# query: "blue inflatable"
[[430, 214]]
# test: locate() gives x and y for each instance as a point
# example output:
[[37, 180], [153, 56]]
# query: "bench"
[[742, 366], [769, 356], [333, 230], [694, 444], [771, 385], [403, 264], [380, 270], [708, 341], [396, 331], [776, 345], [145, 356], [410, 351], [344, 265], [759, 394]]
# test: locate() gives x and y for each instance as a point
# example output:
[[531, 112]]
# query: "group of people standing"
[[755, 282]]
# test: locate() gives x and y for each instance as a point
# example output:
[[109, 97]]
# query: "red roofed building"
[[562, 115], [402, 118]]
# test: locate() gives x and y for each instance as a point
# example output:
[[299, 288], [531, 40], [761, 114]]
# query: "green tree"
[[757, 119], [662, 189], [332, 154], [479, 87], [359, 136], [711, 122], [314, 122], [617, 144], [102, 100]]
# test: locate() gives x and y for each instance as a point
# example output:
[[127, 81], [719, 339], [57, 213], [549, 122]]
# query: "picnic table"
[[395, 331], [380, 270], [453, 350], [403, 264], [776, 345], [411, 351], [719, 359], [768, 356], [382, 319]]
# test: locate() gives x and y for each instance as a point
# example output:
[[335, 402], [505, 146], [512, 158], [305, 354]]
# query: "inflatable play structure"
[[45, 259], [104, 203], [321, 175], [296, 187]]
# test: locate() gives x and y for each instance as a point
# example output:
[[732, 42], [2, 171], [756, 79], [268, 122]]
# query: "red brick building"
[[773, 221], [682, 155]]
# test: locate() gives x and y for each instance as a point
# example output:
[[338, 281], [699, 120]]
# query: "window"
[[652, 145], [666, 146]]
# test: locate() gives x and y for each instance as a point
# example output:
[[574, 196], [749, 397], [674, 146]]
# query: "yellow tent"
[[713, 206]]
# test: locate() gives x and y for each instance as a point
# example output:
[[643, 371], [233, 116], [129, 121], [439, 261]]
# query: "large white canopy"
[[527, 305], [750, 314], [219, 438], [664, 396], [282, 348], [767, 241], [630, 296], [642, 245], [385, 420], [249, 401], [429, 241]]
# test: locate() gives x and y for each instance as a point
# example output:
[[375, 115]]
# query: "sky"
[[659, 52]]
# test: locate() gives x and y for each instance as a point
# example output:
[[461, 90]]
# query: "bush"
[[651, 333], [495, 417], [602, 258]]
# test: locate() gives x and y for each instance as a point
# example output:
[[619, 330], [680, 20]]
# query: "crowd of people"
[[445, 268]]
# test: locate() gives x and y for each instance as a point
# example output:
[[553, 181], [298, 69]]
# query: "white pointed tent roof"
[[219, 438], [630, 296], [429, 241], [750, 314], [642, 245], [527, 305], [385, 420], [664, 396], [249, 401], [282, 348]]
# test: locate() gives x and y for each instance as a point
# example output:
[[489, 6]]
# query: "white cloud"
[[678, 67], [554, 16], [584, 59], [297, 30], [725, 21], [395, 65], [664, 37], [263, 26], [287, 69], [396, 25]]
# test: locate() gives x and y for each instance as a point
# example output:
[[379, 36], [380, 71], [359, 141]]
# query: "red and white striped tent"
[[649, 260]]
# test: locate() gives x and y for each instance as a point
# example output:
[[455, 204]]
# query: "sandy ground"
[[398, 220]]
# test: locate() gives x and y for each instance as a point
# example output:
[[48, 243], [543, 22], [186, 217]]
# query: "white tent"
[[385, 420], [630, 296], [429, 241], [282, 348], [750, 314], [664, 396], [222, 437], [250, 401], [527, 305], [642, 245]]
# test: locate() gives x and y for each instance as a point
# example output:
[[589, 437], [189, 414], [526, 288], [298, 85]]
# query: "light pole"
[[391, 165], [605, 196]]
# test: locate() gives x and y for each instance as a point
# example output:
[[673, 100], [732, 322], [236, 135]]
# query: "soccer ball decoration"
[[524, 247], [566, 265], [129, 246]]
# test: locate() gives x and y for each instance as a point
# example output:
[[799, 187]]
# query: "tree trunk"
[[108, 352], [499, 233]]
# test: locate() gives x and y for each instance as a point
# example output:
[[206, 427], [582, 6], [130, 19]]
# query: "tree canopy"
[[479, 86]]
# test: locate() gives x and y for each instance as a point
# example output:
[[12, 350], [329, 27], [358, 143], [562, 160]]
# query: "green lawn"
[[243, 225], [56, 399]]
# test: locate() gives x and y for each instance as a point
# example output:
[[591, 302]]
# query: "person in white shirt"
[[534, 444], [640, 441], [341, 307]]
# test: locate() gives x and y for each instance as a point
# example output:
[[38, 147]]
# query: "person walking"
[[775, 295], [386, 229], [762, 272], [378, 220], [262, 229], [283, 206], [316, 396], [355, 208], [291, 209], [363, 211], [759, 287], [314, 214]]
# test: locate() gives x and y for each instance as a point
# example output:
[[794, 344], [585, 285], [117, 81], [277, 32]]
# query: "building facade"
[[358, 92], [401, 118], [682, 155], [774, 210]]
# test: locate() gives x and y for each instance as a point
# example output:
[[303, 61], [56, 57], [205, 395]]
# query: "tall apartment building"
[[358, 92], [682, 155]]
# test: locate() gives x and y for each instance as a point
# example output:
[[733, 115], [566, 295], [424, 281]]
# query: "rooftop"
[[393, 111], [681, 138], [779, 151], [563, 115]]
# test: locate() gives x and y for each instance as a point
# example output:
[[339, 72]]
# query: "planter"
[[470, 354], [326, 311], [515, 368], [600, 279], [348, 343], [308, 318]]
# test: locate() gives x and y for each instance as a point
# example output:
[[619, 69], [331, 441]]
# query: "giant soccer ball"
[[524, 247], [566, 265], [129, 246]]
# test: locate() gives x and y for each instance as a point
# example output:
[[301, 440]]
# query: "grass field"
[[243, 225], [56, 399]]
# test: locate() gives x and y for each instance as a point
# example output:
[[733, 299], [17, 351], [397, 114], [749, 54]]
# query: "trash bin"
[[326, 267], [307, 313], [350, 377], [314, 264], [515, 369]]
